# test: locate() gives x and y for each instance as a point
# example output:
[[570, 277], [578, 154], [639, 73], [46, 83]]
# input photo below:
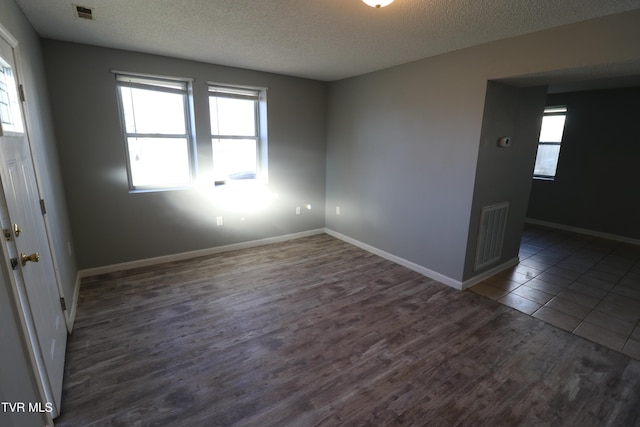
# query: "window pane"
[[234, 158], [9, 105], [149, 111], [552, 128], [546, 160], [159, 161], [231, 116]]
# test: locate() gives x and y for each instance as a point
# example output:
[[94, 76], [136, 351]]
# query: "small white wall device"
[[504, 141]]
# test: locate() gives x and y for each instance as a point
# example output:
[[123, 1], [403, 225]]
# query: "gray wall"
[[403, 143], [503, 174], [112, 225], [596, 186]]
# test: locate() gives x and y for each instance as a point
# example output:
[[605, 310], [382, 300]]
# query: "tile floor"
[[585, 285]]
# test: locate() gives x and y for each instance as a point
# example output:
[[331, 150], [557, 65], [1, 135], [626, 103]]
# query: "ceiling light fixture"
[[378, 3]]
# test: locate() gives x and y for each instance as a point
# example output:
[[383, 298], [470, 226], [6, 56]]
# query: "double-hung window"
[[238, 132], [549, 144], [156, 126]]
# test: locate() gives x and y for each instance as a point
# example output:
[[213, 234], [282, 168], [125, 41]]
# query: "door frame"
[[13, 42], [19, 301]]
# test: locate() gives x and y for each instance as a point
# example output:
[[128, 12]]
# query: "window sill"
[[159, 189]]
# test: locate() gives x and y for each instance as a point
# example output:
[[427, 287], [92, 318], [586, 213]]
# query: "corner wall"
[[403, 143], [113, 226], [504, 174]]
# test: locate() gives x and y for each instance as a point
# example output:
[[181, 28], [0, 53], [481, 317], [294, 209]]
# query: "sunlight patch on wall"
[[242, 196]]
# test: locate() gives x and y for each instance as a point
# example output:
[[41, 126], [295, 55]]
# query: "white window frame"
[[558, 110], [259, 95], [156, 82]]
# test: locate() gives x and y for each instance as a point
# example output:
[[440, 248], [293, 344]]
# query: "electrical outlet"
[[337, 210], [297, 210], [219, 221]]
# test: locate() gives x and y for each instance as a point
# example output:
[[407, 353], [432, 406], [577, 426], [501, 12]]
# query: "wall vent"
[[83, 12], [493, 222]]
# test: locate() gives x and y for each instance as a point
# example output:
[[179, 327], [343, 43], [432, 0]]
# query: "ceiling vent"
[[83, 12]]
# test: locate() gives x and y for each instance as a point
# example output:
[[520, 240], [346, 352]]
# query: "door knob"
[[34, 257], [17, 230]]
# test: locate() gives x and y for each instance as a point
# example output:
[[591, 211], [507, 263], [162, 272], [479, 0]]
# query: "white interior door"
[[26, 239]]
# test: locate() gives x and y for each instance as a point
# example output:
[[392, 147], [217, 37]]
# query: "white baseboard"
[[192, 254], [403, 262], [457, 284], [492, 272], [585, 231]]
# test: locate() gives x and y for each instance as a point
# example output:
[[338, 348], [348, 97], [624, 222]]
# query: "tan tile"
[[544, 286], [622, 301], [533, 294], [587, 289], [623, 312], [528, 271], [519, 303], [578, 267], [569, 307], [554, 279], [603, 275], [609, 322], [596, 282], [557, 318], [535, 263], [502, 283], [631, 280], [489, 291], [514, 276], [612, 267], [600, 335], [563, 272], [627, 292], [632, 349], [578, 298]]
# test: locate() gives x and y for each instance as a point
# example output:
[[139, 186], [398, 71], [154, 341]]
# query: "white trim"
[[152, 76], [253, 243], [191, 254], [70, 314], [26, 118], [489, 273], [5, 34], [585, 231], [403, 262]]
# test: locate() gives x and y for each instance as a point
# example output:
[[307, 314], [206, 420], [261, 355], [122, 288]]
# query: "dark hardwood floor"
[[317, 332]]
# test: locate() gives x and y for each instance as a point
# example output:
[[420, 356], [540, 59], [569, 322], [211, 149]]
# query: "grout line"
[[530, 241]]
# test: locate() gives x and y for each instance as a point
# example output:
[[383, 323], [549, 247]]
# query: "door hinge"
[[21, 92], [43, 208], [63, 304]]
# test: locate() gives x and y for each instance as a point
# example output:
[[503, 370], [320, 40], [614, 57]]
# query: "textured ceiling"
[[319, 39]]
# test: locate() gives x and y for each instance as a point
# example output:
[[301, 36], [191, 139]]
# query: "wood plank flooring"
[[316, 332]]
